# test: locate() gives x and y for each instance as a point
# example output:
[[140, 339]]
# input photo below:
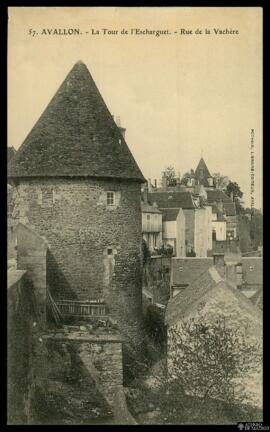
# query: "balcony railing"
[[81, 308]]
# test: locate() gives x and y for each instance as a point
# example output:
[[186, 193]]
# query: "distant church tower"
[[79, 186], [203, 175]]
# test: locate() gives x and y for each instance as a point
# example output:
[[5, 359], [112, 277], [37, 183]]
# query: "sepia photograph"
[[135, 216]]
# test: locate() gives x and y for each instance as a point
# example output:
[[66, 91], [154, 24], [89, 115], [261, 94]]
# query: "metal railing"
[[81, 308]]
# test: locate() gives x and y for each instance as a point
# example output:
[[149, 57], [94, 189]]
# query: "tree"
[[234, 188], [256, 228], [244, 234], [188, 175], [220, 181], [169, 174], [205, 357]]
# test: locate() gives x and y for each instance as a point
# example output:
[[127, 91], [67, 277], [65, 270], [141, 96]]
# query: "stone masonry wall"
[[31, 256], [95, 249], [21, 320], [104, 362]]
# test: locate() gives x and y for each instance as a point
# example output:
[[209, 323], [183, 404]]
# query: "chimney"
[[219, 263], [149, 185], [155, 183], [164, 182], [231, 195], [145, 194], [210, 181]]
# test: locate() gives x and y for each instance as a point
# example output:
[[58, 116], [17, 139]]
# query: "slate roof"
[[170, 214], [206, 174], [148, 208], [252, 270], [181, 305], [186, 270], [216, 195], [173, 200], [75, 136]]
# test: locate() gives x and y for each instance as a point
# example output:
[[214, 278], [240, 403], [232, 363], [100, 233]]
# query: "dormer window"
[[110, 198]]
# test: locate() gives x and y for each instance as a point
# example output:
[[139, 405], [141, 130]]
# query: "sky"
[[179, 96]]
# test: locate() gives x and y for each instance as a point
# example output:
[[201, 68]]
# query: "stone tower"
[[79, 186]]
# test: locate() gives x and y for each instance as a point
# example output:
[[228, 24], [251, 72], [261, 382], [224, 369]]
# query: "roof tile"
[[172, 200], [75, 136]]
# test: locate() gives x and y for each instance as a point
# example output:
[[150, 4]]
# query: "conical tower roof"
[[202, 173], [75, 136], [202, 166]]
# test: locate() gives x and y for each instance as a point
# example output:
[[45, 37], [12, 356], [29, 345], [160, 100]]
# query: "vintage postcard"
[[135, 251]]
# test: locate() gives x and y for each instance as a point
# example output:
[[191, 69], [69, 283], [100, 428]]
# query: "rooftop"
[[149, 208], [202, 173], [186, 270], [215, 195], [172, 200], [208, 285], [252, 270], [170, 214], [75, 136]]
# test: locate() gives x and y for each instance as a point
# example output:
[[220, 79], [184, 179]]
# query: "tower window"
[[202, 172], [109, 251], [110, 198]]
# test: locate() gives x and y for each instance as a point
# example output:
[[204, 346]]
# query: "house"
[[151, 223], [246, 273], [207, 299], [197, 218], [174, 224], [216, 197], [240, 272], [79, 186], [249, 276], [219, 224], [224, 210]]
